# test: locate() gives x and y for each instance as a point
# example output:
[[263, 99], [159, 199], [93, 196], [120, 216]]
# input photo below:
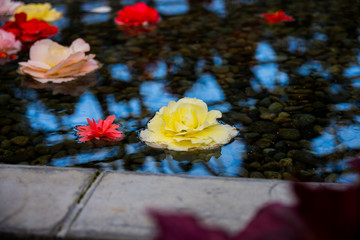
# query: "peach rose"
[[52, 62]]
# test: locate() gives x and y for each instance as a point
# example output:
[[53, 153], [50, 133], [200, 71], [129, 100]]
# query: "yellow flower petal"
[[40, 11], [187, 125]]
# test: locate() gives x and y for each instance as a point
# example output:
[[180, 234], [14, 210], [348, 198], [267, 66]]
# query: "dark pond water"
[[291, 89]]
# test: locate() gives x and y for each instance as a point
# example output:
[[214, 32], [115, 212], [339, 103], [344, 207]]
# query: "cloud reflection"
[[120, 71], [171, 7], [154, 95], [87, 107], [207, 89]]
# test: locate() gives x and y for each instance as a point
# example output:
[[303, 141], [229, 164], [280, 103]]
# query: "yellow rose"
[[40, 11], [187, 125]]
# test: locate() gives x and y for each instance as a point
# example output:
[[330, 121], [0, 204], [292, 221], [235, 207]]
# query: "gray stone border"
[[77, 203]]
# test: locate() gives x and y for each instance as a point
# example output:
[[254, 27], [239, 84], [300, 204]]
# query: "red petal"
[[108, 121], [179, 226], [275, 222], [332, 214], [20, 17]]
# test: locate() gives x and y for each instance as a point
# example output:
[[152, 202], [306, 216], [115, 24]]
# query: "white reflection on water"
[[264, 52], [40, 119], [85, 157], [336, 138], [60, 23], [150, 165], [314, 67], [123, 109], [120, 71], [267, 74], [154, 95], [171, 7], [353, 72], [228, 164], [157, 70], [207, 89], [218, 7], [296, 44], [89, 18], [87, 107]]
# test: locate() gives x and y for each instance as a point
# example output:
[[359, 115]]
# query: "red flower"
[[102, 130], [29, 31], [138, 14], [278, 16]]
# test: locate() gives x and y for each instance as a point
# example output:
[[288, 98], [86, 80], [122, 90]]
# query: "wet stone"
[[268, 116], [243, 172], [250, 136], [285, 162], [42, 149], [41, 160], [5, 144], [289, 133], [5, 121], [303, 120], [242, 117], [264, 127], [305, 157], [279, 155], [332, 178], [275, 107], [5, 130], [272, 175], [256, 175], [20, 140], [4, 99], [60, 154], [264, 143]]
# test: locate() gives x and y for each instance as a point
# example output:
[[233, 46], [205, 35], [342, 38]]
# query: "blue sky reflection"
[[120, 71], [207, 89], [155, 96], [172, 7], [87, 107], [40, 118]]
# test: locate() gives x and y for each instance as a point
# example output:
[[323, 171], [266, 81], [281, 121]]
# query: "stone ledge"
[[34, 201], [117, 207]]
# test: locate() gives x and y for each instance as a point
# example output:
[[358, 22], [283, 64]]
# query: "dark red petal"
[[355, 164], [180, 226], [20, 17], [331, 213], [275, 221]]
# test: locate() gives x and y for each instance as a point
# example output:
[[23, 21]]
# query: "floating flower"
[[187, 125], [278, 16], [39, 11], [136, 15], [29, 31], [9, 46], [102, 130], [7, 7], [52, 62]]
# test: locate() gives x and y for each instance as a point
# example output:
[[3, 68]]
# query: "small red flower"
[[278, 16], [102, 130], [29, 31], [136, 15]]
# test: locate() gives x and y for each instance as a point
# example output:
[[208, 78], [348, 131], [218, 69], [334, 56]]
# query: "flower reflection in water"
[[74, 88]]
